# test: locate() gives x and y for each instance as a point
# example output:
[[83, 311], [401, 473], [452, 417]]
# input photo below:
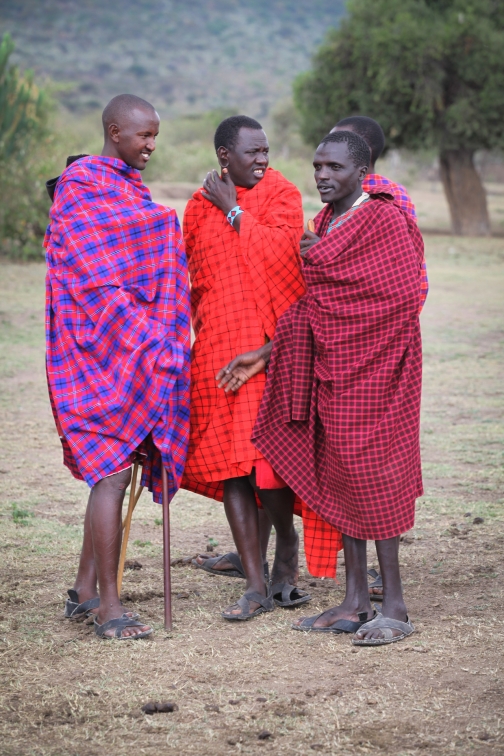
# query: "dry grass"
[[64, 692]]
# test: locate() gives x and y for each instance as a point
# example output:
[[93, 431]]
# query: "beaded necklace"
[[337, 222]]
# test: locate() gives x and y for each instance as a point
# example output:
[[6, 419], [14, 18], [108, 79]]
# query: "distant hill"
[[186, 57]]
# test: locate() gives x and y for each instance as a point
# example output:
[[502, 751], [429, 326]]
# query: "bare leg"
[[85, 583], [264, 532], [105, 520], [356, 598], [279, 504], [393, 602], [264, 536], [241, 512]]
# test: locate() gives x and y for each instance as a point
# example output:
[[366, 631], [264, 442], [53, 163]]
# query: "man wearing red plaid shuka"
[[340, 415], [117, 334]]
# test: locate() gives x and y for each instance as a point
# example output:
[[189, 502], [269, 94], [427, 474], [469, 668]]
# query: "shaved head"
[[121, 107], [130, 127]]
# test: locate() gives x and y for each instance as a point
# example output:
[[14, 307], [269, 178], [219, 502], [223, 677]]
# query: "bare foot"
[[336, 613], [395, 611], [114, 612], [222, 564]]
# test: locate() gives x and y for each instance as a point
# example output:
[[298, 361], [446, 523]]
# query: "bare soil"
[[440, 692]]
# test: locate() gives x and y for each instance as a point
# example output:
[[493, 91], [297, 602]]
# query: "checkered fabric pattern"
[[340, 417], [117, 324], [378, 183], [240, 285]]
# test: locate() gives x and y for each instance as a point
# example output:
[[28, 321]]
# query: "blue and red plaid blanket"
[[117, 324]]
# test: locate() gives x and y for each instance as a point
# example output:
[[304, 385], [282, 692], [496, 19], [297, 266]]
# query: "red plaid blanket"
[[340, 416], [117, 324]]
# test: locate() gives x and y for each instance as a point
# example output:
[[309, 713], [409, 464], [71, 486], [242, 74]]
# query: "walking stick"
[[133, 499], [166, 553]]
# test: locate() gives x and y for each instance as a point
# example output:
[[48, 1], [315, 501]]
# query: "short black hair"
[[370, 130], [229, 129], [120, 106], [357, 147]]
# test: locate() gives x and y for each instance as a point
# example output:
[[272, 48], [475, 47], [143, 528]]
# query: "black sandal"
[[79, 612], [75, 610], [338, 627], [266, 604], [120, 624], [236, 572], [285, 594]]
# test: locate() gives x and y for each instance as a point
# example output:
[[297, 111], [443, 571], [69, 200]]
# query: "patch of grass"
[[21, 516], [142, 544]]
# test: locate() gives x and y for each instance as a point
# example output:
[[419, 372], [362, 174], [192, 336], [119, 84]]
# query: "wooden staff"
[[166, 553], [133, 498]]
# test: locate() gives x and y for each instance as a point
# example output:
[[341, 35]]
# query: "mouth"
[[146, 155], [322, 188], [259, 172]]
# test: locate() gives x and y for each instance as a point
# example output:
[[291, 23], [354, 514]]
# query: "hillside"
[[187, 57]]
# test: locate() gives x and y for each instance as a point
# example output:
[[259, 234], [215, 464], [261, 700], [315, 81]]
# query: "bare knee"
[[118, 482]]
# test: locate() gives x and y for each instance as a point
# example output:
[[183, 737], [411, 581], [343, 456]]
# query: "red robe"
[[340, 416]]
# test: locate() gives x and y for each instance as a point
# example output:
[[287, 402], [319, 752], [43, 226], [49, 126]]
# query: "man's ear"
[[362, 172], [223, 157], [113, 132]]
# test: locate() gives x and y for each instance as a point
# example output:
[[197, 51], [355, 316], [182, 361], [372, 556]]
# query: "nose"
[[262, 158], [151, 144], [322, 173]]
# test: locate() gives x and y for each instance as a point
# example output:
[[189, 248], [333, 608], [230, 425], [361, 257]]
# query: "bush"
[[25, 147]]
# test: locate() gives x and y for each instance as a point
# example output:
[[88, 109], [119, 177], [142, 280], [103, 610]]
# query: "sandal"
[[285, 594], [266, 605], [386, 625], [377, 583], [340, 626], [76, 611], [237, 572], [120, 624]]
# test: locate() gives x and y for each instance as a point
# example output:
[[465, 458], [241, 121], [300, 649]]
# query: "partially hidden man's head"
[[242, 147], [341, 162], [130, 127], [367, 128]]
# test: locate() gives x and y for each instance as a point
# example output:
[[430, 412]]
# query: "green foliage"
[[431, 72], [24, 150]]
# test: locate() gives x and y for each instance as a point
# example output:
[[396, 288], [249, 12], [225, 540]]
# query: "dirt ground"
[[259, 687]]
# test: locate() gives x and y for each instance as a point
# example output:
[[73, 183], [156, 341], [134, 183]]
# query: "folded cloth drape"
[[339, 420], [117, 324]]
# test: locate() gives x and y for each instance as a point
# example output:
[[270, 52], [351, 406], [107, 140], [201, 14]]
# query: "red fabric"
[[340, 416], [240, 285], [117, 324], [373, 182], [266, 477]]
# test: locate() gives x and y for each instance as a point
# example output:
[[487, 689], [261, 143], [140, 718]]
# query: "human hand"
[[242, 368], [308, 239], [220, 191]]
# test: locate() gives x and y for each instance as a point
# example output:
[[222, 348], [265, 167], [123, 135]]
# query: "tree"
[[431, 72], [24, 110]]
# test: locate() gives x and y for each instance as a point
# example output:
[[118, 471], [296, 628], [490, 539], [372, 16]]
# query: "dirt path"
[[440, 692]]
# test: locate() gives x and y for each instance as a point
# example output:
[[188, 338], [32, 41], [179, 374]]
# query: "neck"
[[342, 205], [110, 150], [371, 169]]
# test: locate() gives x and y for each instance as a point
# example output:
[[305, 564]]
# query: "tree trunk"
[[465, 193]]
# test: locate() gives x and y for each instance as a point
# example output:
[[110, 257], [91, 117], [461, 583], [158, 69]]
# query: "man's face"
[[336, 175], [135, 137], [248, 160]]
